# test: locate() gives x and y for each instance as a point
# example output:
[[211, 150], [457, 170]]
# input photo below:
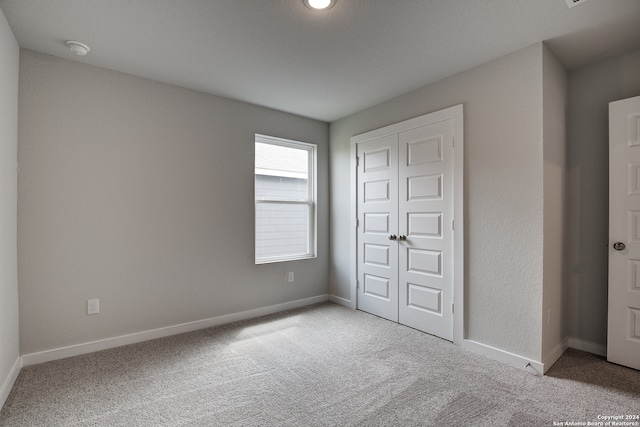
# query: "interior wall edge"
[[9, 312], [339, 300]]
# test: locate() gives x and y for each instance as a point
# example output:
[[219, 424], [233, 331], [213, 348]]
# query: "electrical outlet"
[[290, 277], [93, 306]]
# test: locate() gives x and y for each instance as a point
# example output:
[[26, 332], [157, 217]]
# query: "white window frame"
[[311, 202]]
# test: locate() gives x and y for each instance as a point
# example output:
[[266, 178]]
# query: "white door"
[[378, 225], [425, 223], [623, 337], [405, 237]]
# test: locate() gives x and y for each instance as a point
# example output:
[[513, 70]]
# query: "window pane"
[[281, 230], [282, 188], [281, 172], [285, 206]]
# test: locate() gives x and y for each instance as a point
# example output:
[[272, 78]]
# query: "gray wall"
[[503, 127], [590, 91], [141, 194], [9, 52], [555, 93]]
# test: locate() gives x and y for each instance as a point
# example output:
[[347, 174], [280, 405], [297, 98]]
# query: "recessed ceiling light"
[[319, 4], [78, 48]]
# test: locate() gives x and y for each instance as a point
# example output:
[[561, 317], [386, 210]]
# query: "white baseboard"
[[93, 346], [555, 355], [9, 381], [589, 347], [505, 357], [341, 301]]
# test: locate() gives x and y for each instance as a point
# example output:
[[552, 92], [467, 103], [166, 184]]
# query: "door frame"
[[454, 113]]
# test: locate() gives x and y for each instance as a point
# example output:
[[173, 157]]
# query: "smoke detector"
[[572, 3], [78, 48]]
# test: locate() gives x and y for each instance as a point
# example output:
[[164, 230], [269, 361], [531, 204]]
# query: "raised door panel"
[[422, 261], [424, 298], [424, 224], [424, 187]]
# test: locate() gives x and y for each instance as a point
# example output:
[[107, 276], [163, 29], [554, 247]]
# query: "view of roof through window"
[[277, 160]]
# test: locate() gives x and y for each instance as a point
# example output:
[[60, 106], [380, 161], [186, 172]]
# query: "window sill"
[[284, 259]]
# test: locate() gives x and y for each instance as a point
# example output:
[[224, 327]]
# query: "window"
[[285, 192]]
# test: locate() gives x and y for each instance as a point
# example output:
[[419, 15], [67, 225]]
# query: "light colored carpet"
[[323, 365]]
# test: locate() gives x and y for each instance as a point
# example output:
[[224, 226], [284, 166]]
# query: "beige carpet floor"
[[323, 365]]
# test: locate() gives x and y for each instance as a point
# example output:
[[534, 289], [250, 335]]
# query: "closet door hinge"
[[453, 306], [357, 223], [357, 284], [453, 224], [357, 161]]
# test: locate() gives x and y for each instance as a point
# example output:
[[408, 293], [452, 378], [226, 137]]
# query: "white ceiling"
[[324, 65]]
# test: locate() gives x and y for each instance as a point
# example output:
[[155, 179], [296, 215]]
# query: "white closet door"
[[623, 337], [378, 223], [425, 243], [408, 184]]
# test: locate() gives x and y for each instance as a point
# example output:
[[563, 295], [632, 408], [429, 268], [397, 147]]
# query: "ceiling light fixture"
[[319, 4], [78, 48]]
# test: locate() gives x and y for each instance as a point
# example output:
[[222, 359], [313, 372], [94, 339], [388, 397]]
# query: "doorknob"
[[402, 238], [619, 246], [393, 237]]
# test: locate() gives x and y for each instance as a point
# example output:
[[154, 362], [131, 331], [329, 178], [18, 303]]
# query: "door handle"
[[402, 238], [393, 237], [619, 246]]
